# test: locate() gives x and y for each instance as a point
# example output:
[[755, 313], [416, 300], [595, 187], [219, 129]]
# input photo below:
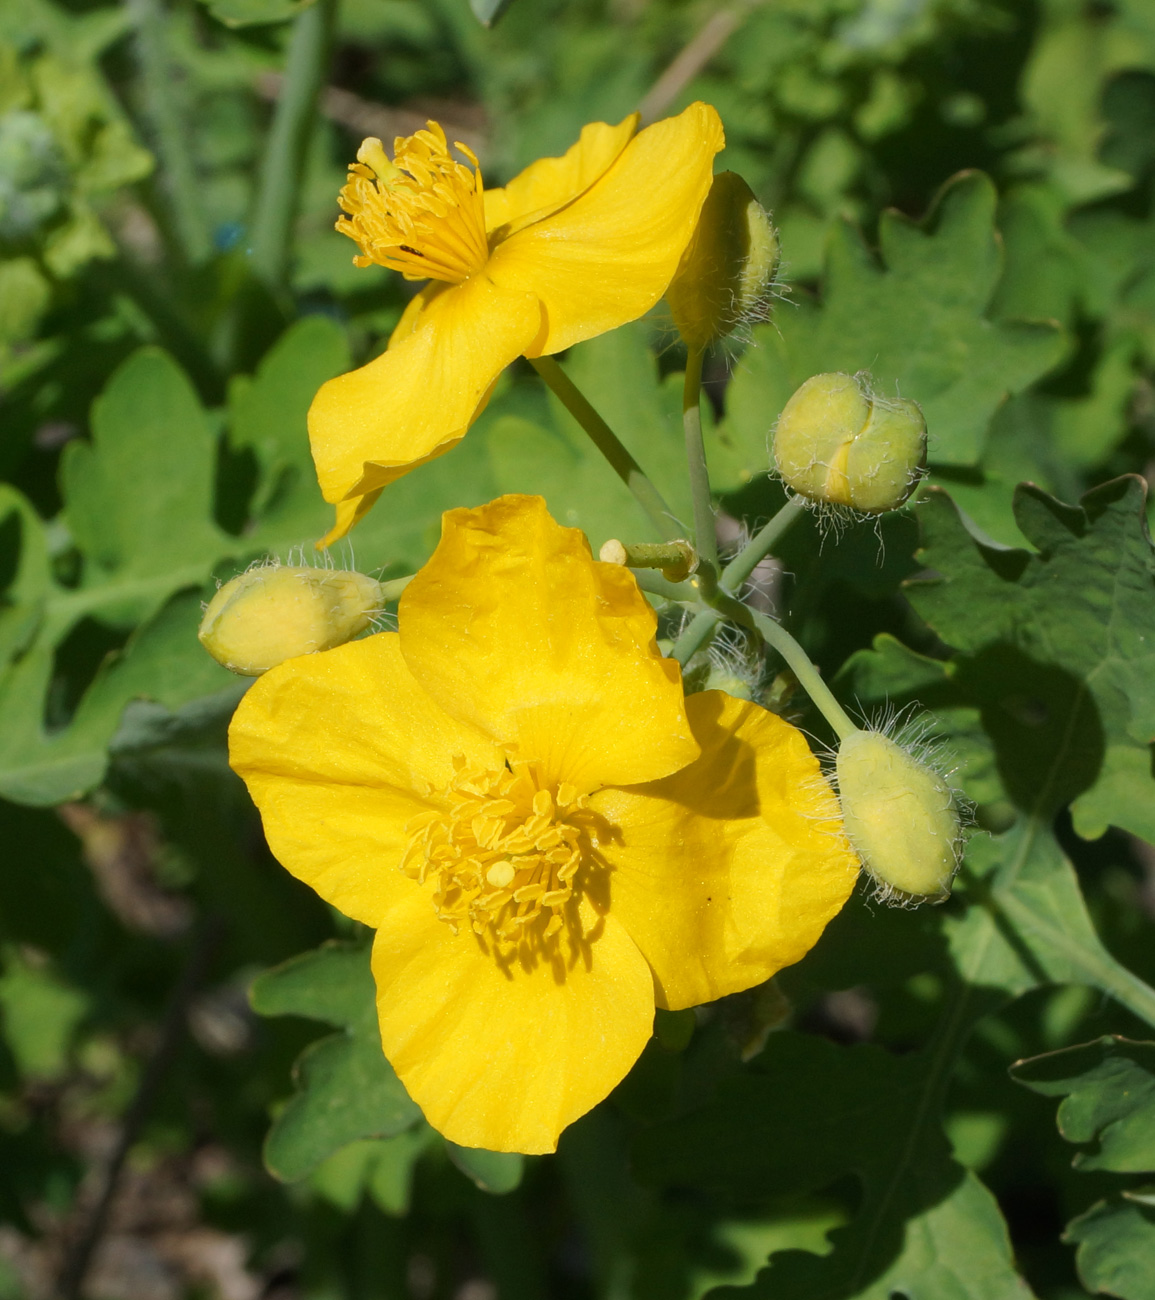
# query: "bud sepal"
[[840, 444], [274, 612], [901, 816]]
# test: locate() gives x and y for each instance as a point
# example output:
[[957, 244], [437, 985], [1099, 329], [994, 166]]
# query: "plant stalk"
[[695, 635], [162, 107], [283, 165], [799, 662], [611, 447], [705, 534]]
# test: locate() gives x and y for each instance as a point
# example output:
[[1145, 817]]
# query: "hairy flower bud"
[[728, 268], [838, 443], [900, 816], [276, 612]]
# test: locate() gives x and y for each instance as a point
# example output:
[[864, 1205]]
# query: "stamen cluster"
[[501, 851], [422, 214]]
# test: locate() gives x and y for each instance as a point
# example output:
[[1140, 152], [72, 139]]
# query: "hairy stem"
[[283, 166], [608, 443]]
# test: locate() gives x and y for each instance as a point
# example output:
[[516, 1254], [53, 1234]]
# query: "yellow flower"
[[548, 838], [572, 247]]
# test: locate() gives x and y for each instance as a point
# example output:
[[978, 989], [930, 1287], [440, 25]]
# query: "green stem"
[[809, 678], [283, 165], [608, 443], [681, 593], [761, 544], [705, 535], [162, 107], [677, 560], [697, 632], [695, 635], [392, 589]]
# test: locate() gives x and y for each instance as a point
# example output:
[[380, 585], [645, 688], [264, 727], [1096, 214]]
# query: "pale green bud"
[[838, 443], [900, 816], [728, 268], [277, 612]]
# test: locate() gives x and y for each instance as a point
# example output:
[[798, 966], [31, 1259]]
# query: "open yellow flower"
[[572, 247], [548, 838]]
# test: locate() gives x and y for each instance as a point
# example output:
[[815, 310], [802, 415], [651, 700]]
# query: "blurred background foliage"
[[964, 190]]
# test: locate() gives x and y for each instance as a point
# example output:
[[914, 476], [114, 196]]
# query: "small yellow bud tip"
[[728, 270], [273, 613], [836, 442], [900, 816], [613, 552]]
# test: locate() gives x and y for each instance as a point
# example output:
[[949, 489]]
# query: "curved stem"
[[697, 632], [610, 446], [705, 535], [283, 166], [809, 678], [695, 635], [761, 544]]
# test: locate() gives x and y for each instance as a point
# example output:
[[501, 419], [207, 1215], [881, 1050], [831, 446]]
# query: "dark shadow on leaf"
[[1043, 722]]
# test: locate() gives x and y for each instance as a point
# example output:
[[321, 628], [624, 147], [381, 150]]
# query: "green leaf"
[[139, 497], [811, 1114], [346, 1089], [138, 505], [267, 416], [487, 12], [1026, 923], [1076, 619], [1108, 1091], [918, 320], [247, 13], [498, 1172], [39, 1014], [1116, 1243]]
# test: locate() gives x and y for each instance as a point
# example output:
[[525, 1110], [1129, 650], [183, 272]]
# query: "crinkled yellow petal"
[[515, 628], [607, 257], [730, 869], [505, 1060], [417, 399], [337, 750], [550, 183]]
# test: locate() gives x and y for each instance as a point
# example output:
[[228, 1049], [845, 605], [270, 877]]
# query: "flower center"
[[422, 214], [503, 851]]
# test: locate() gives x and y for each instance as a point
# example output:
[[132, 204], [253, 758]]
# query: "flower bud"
[[900, 816], [728, 268], [275, 612], [837, 442]]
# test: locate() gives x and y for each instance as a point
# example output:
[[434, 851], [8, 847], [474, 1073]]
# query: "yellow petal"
[[336, 750], [607, 257], [414, 308], [505, 1060], [730, 869], [549, 183], [515, 628], [348, 512], [417, 399]]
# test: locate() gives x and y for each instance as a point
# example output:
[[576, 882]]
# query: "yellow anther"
[[421, 213], [502, 851]]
